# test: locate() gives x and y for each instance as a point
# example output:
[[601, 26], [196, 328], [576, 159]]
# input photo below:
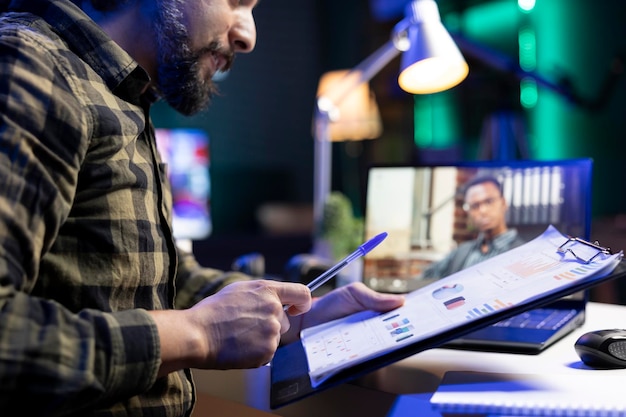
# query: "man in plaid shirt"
[[100, 313]]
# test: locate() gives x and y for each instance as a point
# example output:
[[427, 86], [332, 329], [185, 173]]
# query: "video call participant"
[[486, 208]]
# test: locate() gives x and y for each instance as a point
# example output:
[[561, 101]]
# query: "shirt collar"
[[502, 240], [85, 38]]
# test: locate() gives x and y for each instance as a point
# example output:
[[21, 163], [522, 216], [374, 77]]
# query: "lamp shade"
[[355, 116], [432, 62]]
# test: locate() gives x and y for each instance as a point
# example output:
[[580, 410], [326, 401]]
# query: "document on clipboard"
[[544, 269]]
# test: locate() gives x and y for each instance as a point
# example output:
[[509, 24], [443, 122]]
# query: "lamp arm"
[[362, 73], [504, 63]]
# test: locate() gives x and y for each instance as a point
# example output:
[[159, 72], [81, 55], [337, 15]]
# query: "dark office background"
[[260, 126]]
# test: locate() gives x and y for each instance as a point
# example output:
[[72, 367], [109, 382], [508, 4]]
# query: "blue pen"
[[331, 272], [361, 251]]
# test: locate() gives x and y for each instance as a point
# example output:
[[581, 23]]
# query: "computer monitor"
[[421, 208], [186, 153]]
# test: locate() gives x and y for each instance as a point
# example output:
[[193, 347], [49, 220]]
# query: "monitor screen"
[[186, 153], [422, 209]]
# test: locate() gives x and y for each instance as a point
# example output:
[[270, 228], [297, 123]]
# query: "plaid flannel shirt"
[[86, 245]]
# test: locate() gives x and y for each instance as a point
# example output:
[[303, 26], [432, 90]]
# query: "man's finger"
[[295, 297]]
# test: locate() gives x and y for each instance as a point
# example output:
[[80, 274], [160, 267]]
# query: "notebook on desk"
[[421, 207], [547, 394]]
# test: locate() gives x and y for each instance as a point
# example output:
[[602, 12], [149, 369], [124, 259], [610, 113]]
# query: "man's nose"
[[243, 33]]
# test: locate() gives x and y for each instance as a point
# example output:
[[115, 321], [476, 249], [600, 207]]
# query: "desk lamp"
[[431, 62]]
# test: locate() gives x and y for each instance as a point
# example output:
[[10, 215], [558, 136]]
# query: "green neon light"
[[528, 93], [527, 49], [435, 121]]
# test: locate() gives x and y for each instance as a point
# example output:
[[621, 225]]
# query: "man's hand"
[[242, 325], [342, 302], [238, 327]]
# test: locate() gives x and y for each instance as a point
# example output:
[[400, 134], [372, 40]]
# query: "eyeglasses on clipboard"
[[585, 252]]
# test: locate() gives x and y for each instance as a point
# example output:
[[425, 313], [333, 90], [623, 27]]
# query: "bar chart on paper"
[[486, 309], [531, 266], [574, 273]]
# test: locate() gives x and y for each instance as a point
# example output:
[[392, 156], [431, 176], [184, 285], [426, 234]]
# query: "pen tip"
[[373, 242]]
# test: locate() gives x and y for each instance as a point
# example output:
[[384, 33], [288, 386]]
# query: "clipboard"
[[290, 377]]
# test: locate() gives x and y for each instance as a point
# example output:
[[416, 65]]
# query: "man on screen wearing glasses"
[[486, 208]]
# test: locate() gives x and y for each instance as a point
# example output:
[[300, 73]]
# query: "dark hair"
[[102, 5], [106, 5], [482, 179]]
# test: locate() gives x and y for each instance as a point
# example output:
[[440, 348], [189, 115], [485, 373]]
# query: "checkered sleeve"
[[195, 282], [65, 359]]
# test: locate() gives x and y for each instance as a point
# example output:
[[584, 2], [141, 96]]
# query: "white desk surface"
[[404, 388]]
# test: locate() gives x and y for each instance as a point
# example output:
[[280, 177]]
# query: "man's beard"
[[180, 84], [179, 80]]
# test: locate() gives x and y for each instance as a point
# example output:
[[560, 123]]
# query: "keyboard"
[[541, 318]]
